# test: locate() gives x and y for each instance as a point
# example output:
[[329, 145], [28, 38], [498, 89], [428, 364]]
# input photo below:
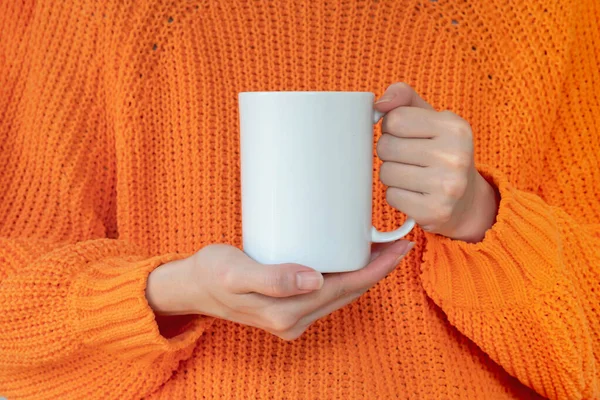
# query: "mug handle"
[[409, 224]]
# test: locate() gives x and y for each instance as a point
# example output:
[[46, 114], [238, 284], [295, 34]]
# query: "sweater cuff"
[[108, 308], [520, 253]]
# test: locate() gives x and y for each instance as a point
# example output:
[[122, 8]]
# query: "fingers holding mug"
[[340, 285], [342, 289]]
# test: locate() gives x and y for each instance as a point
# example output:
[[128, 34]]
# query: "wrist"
[[481, 215], [168, 289]]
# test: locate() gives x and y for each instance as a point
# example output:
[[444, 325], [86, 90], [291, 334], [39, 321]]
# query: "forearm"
[[169, 289]]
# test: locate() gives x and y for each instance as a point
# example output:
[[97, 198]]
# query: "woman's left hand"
[[429, 167]]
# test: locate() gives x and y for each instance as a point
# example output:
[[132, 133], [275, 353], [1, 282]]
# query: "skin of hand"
[[284, 299], [429, 168]]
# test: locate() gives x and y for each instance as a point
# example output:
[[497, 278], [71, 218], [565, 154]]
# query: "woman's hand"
[[429, 168], [221, 281]]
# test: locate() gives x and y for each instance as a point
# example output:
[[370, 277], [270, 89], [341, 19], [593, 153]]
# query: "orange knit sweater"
[[119, 151]]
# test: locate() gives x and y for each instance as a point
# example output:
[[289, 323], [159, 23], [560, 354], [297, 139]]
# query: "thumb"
[[400, 95], [274, 280], [280, 280]]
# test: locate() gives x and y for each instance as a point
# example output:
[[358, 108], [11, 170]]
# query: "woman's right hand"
[[284, 299]]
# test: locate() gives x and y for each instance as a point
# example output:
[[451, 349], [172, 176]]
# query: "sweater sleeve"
[[75, 321], [529, 293]]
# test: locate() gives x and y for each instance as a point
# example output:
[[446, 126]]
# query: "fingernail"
[[387, 96], [309, 280], [409, 246]]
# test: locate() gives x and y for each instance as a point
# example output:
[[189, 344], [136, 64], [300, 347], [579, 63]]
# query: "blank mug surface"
[[306, 169]]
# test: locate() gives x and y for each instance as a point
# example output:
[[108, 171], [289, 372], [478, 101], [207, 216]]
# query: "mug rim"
[[303, 92]]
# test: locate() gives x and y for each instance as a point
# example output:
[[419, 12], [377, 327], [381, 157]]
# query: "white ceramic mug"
[[307, 171]]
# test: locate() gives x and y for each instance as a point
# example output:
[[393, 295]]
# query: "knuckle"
[[454, 187], [291, 334], [392, 197], [460, 160], [383, 147], [393, 120], [457, 125], [277, 283], [386, 173], [390, 121], [443, 214], [278, 321], [227, 277], [462, 129], [400, 85]]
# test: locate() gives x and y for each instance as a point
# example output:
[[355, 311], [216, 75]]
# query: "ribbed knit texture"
[[119, 151]]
